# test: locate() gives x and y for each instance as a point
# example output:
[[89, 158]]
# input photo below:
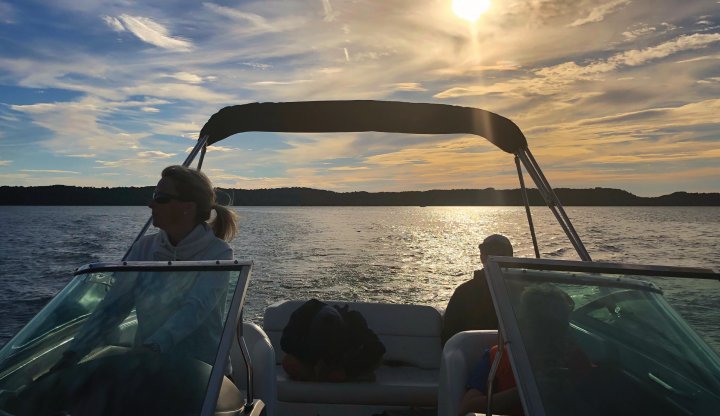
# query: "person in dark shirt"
[[470, 306]]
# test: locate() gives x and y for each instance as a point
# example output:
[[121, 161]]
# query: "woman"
[[181, 206], [179, 313]]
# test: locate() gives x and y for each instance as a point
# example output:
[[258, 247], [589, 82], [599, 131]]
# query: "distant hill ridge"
[[74, 195]]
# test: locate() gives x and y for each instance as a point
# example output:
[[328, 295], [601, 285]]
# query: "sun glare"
[[470, 10]]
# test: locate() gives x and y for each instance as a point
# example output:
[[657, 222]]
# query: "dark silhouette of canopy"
[[357, 116]]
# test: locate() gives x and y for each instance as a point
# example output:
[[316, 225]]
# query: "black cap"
[[496, 245]]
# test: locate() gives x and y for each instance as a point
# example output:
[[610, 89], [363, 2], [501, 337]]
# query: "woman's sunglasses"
[[163, 198]]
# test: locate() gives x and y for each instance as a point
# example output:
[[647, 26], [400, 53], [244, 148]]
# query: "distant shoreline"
[[138, 196]]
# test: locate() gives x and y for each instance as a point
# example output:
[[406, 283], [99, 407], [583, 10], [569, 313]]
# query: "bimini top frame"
[[389, 117]]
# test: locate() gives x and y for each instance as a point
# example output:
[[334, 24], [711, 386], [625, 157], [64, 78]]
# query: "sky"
[[609, 93]]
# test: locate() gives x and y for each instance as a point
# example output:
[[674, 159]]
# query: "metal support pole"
[[202, 157], [559, 205], [553, 203], [493, 371], [527, 207], [248, 362], [198, 146]]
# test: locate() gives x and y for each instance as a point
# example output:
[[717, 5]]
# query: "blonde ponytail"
[[224, 224]]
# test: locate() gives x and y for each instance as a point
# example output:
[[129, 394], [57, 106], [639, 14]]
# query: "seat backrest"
[[262, 357], [410, 333], [462, 352]]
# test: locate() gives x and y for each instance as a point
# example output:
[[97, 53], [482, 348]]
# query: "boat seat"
[[393, 386], [408, 375], [462, 352]]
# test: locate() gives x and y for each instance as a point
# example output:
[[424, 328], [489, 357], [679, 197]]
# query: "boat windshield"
[[134, 338], [599, 341]]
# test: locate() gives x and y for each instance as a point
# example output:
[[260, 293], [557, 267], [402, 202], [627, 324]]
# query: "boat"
[[643, 357]]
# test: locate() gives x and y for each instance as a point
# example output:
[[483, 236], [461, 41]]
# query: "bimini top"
[[357, 116]]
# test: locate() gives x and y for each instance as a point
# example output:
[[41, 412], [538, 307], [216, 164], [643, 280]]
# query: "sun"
[[470, 10]]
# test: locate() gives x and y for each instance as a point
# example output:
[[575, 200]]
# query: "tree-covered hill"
[[73, 195]]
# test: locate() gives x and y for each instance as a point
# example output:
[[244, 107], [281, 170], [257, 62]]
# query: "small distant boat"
[[645, 358]]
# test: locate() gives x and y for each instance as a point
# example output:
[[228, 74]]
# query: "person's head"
[[326, 322], [329, 330], [495, 245], [184, 198], [545, 311]]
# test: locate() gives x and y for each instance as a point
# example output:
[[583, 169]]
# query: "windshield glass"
[[130, 341], [597, 343]]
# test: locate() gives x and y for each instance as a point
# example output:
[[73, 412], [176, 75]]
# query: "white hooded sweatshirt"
[[179, 312], [200, 244]]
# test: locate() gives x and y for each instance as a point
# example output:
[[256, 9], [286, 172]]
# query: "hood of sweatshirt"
[[200, 244], [189, 248]]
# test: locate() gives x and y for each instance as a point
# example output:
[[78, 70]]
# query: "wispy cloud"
[[638, 31], [699, 58], [114, 23], [175, 91], [219, 149], [252, 18], [710, 80], [188, 77], [7, 13], [49, 171], [597, 14], [632, 141], [330, 15], [348, 168], [275, 83], [149, 31], [408, 86], [145, 164], [553, 79], [5, 162], [155, 154], [683, 43], [77, 125], [473, 68]]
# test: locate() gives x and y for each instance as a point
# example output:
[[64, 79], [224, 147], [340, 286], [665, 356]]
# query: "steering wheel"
[[609, 302]]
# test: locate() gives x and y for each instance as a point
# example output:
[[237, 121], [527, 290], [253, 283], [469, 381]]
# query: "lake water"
[[389, 254]]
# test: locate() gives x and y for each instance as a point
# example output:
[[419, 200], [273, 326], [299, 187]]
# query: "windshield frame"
[[530, 396], [233, 314], [236, 292]]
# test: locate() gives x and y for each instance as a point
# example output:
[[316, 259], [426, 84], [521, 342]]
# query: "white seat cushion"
[[408, 386], [410, 333], [461, 354]]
